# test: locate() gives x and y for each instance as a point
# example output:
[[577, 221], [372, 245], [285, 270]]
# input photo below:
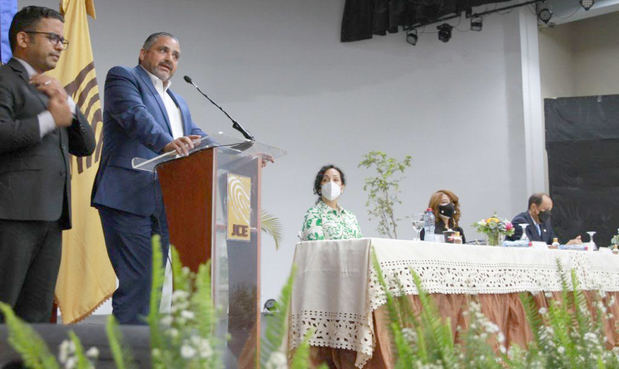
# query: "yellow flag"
[[86, 278]]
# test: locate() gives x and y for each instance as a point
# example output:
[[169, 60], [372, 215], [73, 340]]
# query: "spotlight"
[[544, 14], [476, 24], [444, 32], [411, 37], [587, 4]]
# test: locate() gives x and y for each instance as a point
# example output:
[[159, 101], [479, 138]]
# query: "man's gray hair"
[[150, 40]]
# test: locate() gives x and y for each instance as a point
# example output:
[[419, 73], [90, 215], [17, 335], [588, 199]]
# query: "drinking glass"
[[417, 223], [592, 245], [524, 226]]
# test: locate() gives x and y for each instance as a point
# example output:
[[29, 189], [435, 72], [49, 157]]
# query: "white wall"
[[279, 68], [580, 58]]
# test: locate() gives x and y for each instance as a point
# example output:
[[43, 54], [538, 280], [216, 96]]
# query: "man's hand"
[[181, 145], [266, 159], [58, 106], [575, 241], [48, 85]]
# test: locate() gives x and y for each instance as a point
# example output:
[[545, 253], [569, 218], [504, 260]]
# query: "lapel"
[[19, 69], [184, 113], [533, 234], [151, 88]]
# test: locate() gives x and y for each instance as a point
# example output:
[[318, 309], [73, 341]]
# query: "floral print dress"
[[325, 223]]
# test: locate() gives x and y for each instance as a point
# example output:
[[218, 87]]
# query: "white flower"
[[167, 320], [543, 310], [561, 349], [277, 360], [206, 350], [502, 349], [63, 353], [409, 335], [501, 337], [179, 295], [548, 294], [92, 353], [70, 364], [156, 353], [172, 332], [187, 314], [591, 337], [491, 327], [187, 352]]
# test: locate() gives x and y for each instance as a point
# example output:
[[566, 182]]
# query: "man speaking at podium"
[[142, 118]]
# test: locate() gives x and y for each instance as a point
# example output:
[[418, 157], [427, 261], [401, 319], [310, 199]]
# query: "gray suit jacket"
[[35, 172]]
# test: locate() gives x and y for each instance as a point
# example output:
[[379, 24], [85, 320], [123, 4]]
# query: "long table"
[[337, 295]]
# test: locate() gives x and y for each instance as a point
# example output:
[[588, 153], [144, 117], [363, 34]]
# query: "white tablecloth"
[[336, 289]]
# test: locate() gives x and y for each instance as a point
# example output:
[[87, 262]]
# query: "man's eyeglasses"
[[54, 38]]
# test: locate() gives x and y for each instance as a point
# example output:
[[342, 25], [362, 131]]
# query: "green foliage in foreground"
[[183, 338], [565, 334]]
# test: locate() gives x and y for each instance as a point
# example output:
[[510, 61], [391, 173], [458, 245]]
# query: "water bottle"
[[428, 225]]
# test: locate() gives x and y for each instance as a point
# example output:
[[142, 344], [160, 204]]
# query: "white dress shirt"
[[46, 120], [174, 113]]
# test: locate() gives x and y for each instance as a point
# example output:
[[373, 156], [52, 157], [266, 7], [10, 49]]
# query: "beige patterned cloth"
[[336, 289]]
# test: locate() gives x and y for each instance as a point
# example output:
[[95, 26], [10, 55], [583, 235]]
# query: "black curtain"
[[364, 18], [582, 142]]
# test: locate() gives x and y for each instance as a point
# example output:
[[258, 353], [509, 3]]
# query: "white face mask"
[[331, 190]]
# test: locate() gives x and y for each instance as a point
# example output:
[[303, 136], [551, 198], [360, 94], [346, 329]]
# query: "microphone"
[[236, 125]]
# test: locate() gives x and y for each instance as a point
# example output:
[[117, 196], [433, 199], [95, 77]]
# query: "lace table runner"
[[336, 288]]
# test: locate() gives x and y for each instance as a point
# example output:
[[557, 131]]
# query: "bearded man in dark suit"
[[39, 126]]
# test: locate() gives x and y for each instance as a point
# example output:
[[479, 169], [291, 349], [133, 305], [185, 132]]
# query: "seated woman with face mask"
[[327, 220], [446, 208]]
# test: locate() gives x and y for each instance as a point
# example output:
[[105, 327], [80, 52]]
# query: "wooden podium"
[[212, 203]]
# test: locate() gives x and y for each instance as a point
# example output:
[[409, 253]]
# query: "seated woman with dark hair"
[[446, 208], [327, 220]]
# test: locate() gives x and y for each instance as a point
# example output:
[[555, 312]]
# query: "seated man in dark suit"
[[39, 126], [538, 219]]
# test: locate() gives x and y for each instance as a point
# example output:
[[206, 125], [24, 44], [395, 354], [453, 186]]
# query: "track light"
[[444, 32], [544, 14], [587, 4], [476, 24], [411, 37]]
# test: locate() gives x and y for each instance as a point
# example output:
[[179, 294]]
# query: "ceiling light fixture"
[[587, 4], [412, 37], [444, 32], [476, 24]]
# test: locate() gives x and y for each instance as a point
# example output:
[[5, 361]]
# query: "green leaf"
[[27, 342], [272, 226], [276, 323], [123, 358], [154, 317]]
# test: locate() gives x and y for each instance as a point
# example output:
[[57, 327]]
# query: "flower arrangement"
[[495, 229]]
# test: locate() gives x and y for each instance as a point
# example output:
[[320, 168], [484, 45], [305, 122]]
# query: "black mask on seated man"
[[447, 210], [544, 216]]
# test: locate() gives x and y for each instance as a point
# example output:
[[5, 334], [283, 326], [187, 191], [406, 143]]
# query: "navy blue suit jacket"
[[135, 124], [547, 232]]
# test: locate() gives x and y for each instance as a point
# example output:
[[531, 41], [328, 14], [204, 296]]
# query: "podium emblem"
[[239, 207]]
